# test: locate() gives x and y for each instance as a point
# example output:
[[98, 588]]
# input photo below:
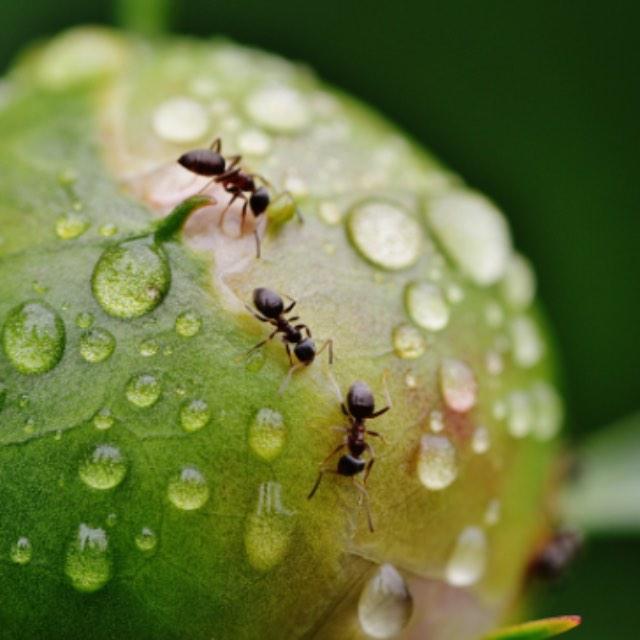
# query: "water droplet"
[[39, 288], [188, 490], [408, 342], [29, 426], [96, 345], [458, 385], [21, 551], [188, 324], [527, 342], [143, 390], [88, 564], [268, 530], [255, 361], [410, 380], [103, 420], [481, 440], [468, 561], [426, 305], [33, 337], [494, 363], [492, 513], [519, 283], [180, 120], [112, 520], [385, 605], [194, 415], [549, 411], [146, 540], [84, 320], [131, 278], [280, 109], [267, 434], [108, 230], [71, 225], [330, 213], [437, 465], [455, 293], [520, 414], [104, 468], [474, 233], [436, 421], [385, 234], [149, 347], [254, 142]]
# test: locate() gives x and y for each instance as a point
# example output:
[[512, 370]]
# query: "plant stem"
[[149, 17], [169, 226]]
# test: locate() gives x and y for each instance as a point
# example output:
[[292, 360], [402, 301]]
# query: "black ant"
[[359, 408], [227, 172], [554, 558], [272, 310]]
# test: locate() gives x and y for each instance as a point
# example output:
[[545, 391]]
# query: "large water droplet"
[[520, 414], [143, 390], [21, 551], [188, 490], [528, 346], [188, 324], [104, 468], [267, 434], [131, 278], [426, 305], [458, 385], [385, 234], [279, 109], [180, 120], [519, 283], [146, 540], [268, 530], [194, 415], [408, 342], [103, 420], [71, 225], [33, 337], [385, 604], [437, 464], [97, 345], [474, 233], [468, 560], [88, 565]]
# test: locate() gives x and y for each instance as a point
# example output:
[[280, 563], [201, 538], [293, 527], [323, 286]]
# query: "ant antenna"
[[364, 498], [336, 387], [287, 380]]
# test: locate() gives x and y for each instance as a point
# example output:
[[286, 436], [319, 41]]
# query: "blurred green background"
[[535, 103]]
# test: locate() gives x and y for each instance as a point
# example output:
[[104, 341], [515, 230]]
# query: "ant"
[[272, 310], [554, 558], [359, 407], [227, 172]]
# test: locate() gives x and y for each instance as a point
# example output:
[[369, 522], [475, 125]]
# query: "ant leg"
[[387, 396], [327, 343], [319, 479], [224, 211], [367, 469], [336, 389], [216, 145], [339, 448], [365, 499], [285, 382], [255, 315], [243, 215], [288, 194], [263, 342], [233, 161], [293, 319], [262, 179], [288, 349], [257, 237], [303, 326], [206, 186], [290, 307], [375, 434]]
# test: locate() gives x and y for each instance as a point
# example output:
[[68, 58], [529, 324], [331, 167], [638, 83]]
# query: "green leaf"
[[537, 629]]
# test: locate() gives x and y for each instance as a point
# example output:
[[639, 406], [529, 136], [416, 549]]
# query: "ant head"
[[305, 350], [268, 302], [204, 162], [360, 401], [259, 201]]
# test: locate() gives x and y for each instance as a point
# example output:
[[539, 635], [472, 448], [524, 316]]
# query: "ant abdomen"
[[203, 162], [268, 302]]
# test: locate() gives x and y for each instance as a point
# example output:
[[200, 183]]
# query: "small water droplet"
[[108, 230], [71, 225], [29, 426], [468, 560], [280, 109], [21, 551], [437, 465], [330, 213], [494, 362], [88, 564], [188, 324], [481, 440], [194, 415], [385, 605], [549, 411], [104, 468], [267, 434], [426, 305], [131, 278], [33, 337], [180, 120], [436, 421], [519, 283], [84, 320], [520, 414], [528, 346], [410, 380], [268, 530], [143, 390], [103, 420], [188, 490], [458, 385], [455, 293], [23, 401], [112, 520], [146, 540], [96, 345], [254, 142], [492, 513], [149, 347], [385, 234], [39, 288], [408, 342], [255, 361]]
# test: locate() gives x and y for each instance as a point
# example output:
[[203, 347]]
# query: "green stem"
[[169, 226], [149, 17]]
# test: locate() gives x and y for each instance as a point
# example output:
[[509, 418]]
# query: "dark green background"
[[535, 103]]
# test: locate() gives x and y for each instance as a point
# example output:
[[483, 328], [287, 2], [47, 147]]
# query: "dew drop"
[[481, 440], [194, 415], [104, 468], [436, 421], [519, 414], [268, 531], [188, 490], [468, 560], [188, 324], [254, 142], [96, 345], [84, 320], [146, 540], [330, 213], [103, 420], [385, 234], [519, 283], [149, 347], [131, 278], [426, 305], [33, 337], [408, 342], [88, 564], [527, 342], [385, 605], [492, 512], [143, 390], [39, 288], [21, 551], [71, 225], [180, 120], [267, 434], [437, 465], [108, 230], [410, 380], [280, 109], [549, 411], [458, 385]]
